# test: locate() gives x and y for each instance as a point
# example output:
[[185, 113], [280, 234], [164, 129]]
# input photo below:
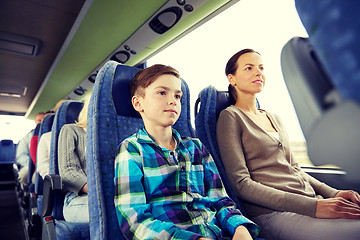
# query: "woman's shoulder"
[[231, 111], [72, 128]]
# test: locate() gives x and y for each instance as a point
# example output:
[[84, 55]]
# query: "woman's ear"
[[231, 79], [136, 102]]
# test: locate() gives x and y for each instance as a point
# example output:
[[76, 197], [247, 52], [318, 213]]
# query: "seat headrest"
[[6, 142], [47, 123], [73, 111], [222, 102], [121, 91], [37, 129]]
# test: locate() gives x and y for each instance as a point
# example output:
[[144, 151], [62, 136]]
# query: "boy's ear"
[[135, 100]]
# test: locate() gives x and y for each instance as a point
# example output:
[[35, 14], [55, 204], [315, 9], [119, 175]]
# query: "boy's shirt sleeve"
[[133, 211], [227, 215]]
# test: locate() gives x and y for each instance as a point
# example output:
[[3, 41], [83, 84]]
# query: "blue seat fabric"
[[7, 159], [212, 102], [7, 151], [67, 112], [333, 28], [111, 119]]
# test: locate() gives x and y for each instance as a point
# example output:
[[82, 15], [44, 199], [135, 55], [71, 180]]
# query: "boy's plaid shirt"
[[163, 194]]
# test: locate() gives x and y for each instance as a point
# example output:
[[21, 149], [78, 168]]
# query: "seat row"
[[111, 118]]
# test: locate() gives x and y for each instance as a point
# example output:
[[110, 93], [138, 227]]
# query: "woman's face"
[[249, 77]]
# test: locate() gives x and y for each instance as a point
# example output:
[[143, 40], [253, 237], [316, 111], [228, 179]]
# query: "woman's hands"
[[345, 204]]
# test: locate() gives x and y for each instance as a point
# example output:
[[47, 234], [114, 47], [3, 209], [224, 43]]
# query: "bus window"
[[262, 25], [15, 127]]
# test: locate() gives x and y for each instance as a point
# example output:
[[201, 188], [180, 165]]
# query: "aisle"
[[11, 222]]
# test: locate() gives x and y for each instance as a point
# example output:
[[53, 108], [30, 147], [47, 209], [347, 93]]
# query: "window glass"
[[262, 25]]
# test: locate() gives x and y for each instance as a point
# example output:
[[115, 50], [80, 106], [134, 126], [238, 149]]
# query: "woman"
[[283, 200], [72, 167]]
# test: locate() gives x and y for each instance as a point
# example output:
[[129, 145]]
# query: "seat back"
[[111, 119], [67, 112], [45, 127], [310, 88], [32, 150], [329, 122], [7, 151], [7, 160], [212, 102], [333, 28]]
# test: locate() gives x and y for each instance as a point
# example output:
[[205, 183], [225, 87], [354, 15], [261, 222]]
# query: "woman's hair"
[[82, 118], [231, 67], [147, 76]]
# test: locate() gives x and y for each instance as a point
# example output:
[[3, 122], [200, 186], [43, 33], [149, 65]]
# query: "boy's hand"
[[241, 233]]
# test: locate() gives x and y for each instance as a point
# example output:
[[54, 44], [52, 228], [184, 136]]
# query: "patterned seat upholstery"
[[333, 28], [212, 102], [333, 130], [111, 119], [54, 225]]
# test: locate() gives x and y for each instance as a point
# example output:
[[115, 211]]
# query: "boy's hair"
[[147, 76]]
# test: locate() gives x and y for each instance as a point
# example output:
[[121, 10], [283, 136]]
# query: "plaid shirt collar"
[[144, 137]]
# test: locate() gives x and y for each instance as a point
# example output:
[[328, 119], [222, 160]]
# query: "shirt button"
[[279, 144], [172, 153]]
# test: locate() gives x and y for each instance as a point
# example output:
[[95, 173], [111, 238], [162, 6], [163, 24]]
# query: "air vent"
[[19, 44], [12, 91]]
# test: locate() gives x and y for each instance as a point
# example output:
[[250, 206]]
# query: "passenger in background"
[[72, 167], [279, 196], [23, 152], [167, 186], [34, 146], [43, 149]]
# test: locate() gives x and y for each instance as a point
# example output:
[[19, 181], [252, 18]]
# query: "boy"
[[168, 187]]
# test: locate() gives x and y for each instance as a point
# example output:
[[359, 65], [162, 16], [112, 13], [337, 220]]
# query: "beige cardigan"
[[263, 170]]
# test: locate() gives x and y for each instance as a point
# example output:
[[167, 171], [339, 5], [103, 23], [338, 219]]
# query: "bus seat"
[[329, 121], [8, 176], [7, 152], [111, 119], [35, 202], [53, 223], [333, 28], [207, 110]]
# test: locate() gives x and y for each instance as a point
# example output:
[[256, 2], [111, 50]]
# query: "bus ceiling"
[[71, 41]]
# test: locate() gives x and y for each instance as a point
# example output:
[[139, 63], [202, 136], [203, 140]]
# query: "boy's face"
[[161, 104]]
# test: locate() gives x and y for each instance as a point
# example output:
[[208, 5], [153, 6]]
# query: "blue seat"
[[54, 225], [333, 28], [7, 151], [207, 110], [212, 102], [8, 176], [111, 119], [36, 189], [329, 122]]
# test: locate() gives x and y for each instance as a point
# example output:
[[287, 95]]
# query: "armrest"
[[52, 184], [333, 177]]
